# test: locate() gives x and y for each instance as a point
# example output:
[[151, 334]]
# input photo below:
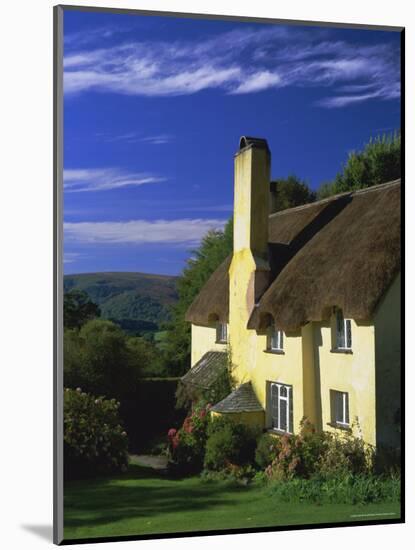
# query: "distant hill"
[[138, 302]]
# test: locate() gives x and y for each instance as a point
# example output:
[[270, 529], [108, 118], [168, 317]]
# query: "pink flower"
[[171, 433]]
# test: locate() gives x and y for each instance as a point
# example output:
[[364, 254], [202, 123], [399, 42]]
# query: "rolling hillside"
[[138, 302]]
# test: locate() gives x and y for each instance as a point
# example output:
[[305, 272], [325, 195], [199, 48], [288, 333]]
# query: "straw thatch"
[[212, 303], [343, 251]]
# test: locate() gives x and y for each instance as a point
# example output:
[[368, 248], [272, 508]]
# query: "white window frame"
[[275, 339], [277, 421], [343, 331], [345, 419], [221, 333]]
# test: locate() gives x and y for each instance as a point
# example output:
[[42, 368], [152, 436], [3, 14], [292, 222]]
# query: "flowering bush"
[[186, 446], [317, 454], [94, 440]]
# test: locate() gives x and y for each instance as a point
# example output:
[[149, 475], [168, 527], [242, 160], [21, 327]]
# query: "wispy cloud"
[[70, 257], [103, 179], [239, 62], [135, 137], [179, 232]]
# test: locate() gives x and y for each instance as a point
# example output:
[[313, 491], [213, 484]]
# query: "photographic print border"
[[58, 524]]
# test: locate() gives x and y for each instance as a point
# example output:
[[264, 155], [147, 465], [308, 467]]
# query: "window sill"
[[277, 432], [221, 341], [339, 426], [275, 351], [341, 350]]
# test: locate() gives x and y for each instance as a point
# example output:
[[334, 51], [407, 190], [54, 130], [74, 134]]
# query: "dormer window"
[[275, 340], [221, 333], [343, 328]]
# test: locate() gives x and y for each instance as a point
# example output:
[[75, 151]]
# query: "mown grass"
[[143, 501]]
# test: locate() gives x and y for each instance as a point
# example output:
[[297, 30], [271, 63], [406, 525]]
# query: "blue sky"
[[154, 108]]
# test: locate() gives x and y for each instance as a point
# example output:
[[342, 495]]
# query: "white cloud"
[[241, 61], [257, 82], [103, 179], [182, 231], [70, 257]]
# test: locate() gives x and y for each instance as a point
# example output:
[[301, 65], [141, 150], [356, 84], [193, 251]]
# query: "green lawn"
[[142, 501]]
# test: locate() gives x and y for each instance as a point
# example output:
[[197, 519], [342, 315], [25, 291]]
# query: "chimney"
[[249, 272], [252, 196]]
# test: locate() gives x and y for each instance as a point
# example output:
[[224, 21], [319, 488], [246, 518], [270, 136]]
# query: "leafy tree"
[[292, 192], [378, 162], [78, 309], [97, 359], [214, 248]]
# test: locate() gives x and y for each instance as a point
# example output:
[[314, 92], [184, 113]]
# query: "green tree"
[[378, 162], [290, 192], [78, 309], [98, 359], [214, 248]]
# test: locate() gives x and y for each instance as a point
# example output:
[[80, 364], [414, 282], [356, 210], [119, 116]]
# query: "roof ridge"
[[335, 197]]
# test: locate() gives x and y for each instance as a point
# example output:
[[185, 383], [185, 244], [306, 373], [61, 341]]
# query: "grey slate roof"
[[207, 370], [243, 399]]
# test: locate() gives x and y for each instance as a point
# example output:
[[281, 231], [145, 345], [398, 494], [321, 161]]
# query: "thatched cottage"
[[309, 307]]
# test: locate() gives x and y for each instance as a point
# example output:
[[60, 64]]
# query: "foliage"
[[290, 192], [378, 162], [348, 489], [98, 359], [78, 309], [229, 444], [94, 440], [232, 473], [325, 454], [214, 248], [186, 446], [268, 446]]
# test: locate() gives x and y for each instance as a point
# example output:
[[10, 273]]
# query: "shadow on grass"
[[139, 493]]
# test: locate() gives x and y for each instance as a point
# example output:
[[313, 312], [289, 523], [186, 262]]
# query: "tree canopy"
[[78, 308], [378, 162], [291, 191]]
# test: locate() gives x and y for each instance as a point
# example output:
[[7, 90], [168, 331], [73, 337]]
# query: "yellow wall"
[[353, 373], [388, 364], [204, 340]]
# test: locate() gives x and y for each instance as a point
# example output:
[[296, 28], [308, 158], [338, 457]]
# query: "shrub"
[[268, 446], [186, 446], [94, 440], [229, 443], [310, 453]]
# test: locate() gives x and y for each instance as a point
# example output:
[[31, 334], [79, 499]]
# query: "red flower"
[[202, 413]]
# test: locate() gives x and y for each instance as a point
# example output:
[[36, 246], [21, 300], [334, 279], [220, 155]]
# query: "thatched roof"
[[207, 370], [343, 251], [243, 399], [212, 303]]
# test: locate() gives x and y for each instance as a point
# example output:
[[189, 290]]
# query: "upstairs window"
[[275, 340], [343, 332], [221, 333], [281, 407], [339, 408]]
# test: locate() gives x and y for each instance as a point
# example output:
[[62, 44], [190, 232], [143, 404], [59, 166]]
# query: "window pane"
[[340, 340], [283, 391], [281, 340], [349, 333], [274, 405], [347, 408], [338, 406], [290, 411], [283, 415]]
